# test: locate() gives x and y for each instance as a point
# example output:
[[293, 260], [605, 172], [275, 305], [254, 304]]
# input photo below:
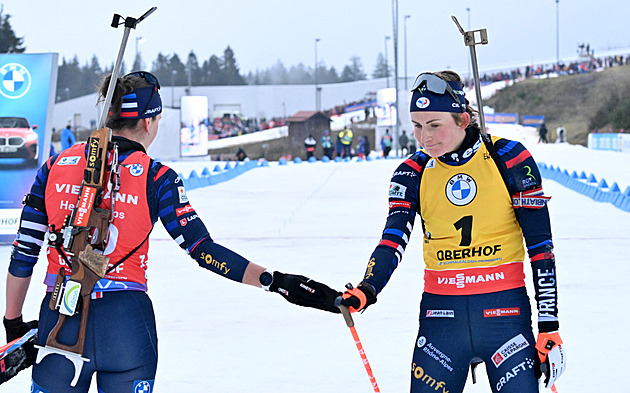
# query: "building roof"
[[305, 115]]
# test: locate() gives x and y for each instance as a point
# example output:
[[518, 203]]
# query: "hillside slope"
[[570, 100]]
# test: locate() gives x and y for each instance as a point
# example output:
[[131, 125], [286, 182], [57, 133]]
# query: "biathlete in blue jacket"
[[121, 339], [477, 198]]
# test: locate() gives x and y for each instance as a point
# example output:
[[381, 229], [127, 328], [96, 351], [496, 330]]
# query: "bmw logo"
[[136, 169], [15, 80], [142, 387], [461, 189]]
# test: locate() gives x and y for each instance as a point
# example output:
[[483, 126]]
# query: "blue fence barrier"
[[599, 191], [218, 175], [230, 170]]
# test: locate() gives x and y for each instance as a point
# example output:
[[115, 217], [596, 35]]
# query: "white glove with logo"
[[552, 357]]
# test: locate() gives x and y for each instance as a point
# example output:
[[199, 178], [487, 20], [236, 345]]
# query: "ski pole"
[[350, 322], [469, 40]]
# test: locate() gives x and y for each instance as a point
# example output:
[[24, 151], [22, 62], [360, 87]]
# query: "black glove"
[[16, 327], [304, 292], [359, 298]]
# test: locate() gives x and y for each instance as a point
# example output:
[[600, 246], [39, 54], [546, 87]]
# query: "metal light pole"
[[317, 103], [406, 75], [395, 35], [557, 32], [173, 88], [139, 40], [386, 63], [469, 70], [189, 72]]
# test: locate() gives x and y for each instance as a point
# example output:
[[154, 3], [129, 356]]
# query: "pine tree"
[[330, 76], [382, 68], [353, 71], [137, 63], [212, 73], [193, 70], [161, 69], [231, 73], [92, 74], [69, 79], [9, 42], [279, 74], [178, 70], [299, 75]]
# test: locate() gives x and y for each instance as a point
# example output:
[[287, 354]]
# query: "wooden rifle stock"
[[86, 231]]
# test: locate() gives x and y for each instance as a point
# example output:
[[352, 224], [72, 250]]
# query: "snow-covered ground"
[[323, 220]]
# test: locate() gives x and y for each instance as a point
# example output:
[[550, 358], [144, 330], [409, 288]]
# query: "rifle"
[[470, 40], [83, 237], [84, 232]]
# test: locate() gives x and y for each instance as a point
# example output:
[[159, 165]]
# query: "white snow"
[[323, 220]]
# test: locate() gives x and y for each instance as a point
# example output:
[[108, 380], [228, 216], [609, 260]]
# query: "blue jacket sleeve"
[[530, 204], [32, 229], [186, 228]]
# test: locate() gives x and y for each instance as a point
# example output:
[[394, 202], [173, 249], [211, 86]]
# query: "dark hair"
[[448, 75], [124, 85]]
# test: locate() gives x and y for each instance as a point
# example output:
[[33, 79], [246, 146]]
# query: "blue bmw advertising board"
[[27, 86]]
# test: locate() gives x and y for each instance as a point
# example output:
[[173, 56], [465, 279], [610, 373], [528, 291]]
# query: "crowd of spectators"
[[234, 125], [590, 64], [352, 106]]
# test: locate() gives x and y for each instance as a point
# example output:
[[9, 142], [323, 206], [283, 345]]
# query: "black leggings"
[[495, 327], [121, 343]]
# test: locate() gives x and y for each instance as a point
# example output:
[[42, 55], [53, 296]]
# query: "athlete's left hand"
[[16, 327], [553, 359], [305, 292], [359, 298]]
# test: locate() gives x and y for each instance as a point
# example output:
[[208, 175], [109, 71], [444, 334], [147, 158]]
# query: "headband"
[[141, 103], [424, 99]]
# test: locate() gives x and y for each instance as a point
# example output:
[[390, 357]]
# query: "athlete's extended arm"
[[187, 229]]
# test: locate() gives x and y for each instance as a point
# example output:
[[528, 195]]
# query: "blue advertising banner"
[[504, 118], [533, 120], [604, 141], [27, 87]]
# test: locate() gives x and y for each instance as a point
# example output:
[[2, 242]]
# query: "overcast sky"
[[263, 32]]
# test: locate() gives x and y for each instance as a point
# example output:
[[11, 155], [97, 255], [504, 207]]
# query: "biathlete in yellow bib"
[[478, 198]]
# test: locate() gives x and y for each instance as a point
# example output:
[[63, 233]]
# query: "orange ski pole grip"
[[358, 294], [543, 345]]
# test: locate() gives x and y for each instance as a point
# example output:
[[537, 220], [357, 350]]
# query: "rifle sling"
[[123, 259]]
